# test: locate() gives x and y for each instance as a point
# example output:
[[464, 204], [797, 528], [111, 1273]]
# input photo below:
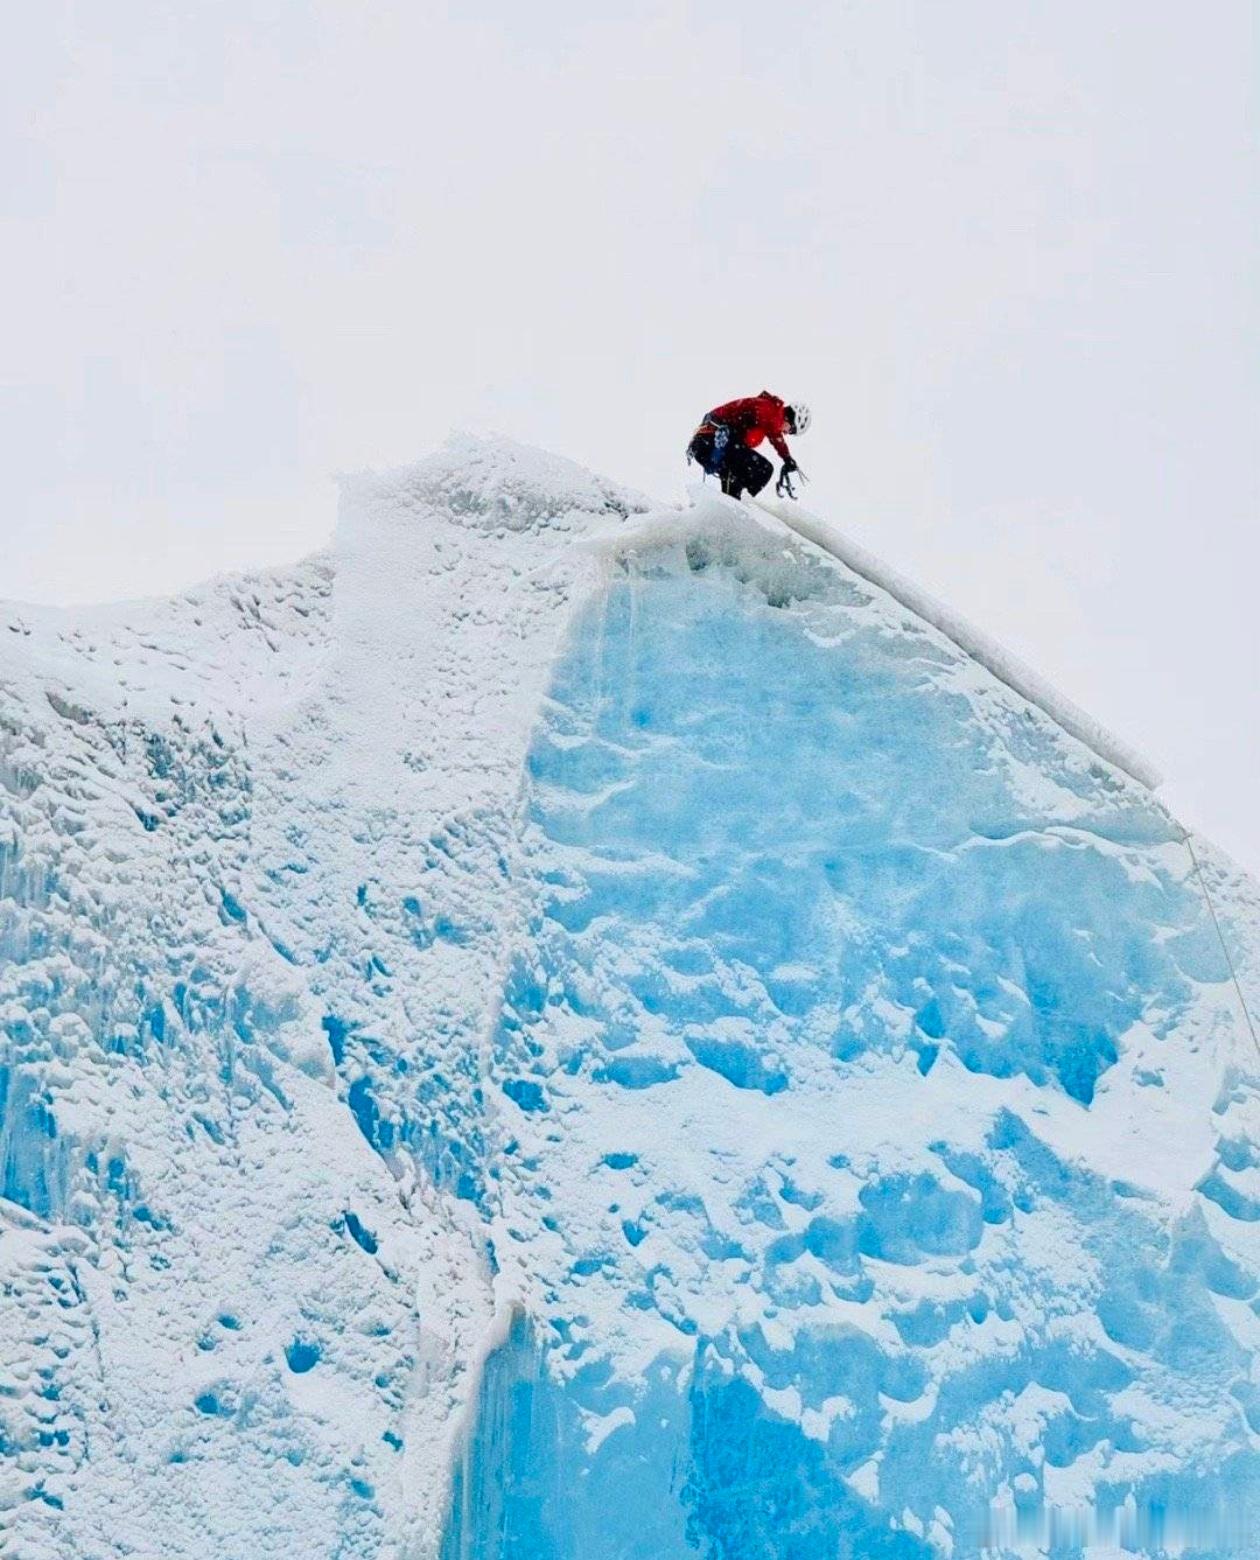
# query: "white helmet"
[[800, 416]]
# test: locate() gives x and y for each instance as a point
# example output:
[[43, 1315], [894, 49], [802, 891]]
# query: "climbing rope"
[[1229, 963]]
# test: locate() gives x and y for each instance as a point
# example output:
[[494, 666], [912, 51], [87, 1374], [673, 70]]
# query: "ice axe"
[[783, 487]]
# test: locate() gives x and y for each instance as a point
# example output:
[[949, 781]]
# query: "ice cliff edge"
[[570, 1029]]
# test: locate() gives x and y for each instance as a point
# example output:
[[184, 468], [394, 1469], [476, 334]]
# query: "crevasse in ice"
[[562, 1033]]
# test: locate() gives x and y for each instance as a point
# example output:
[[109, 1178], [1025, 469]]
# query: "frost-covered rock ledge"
[[565, 1028]]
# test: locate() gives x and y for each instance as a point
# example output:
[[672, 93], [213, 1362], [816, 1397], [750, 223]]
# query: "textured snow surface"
[[567, 1032], [992, 656]]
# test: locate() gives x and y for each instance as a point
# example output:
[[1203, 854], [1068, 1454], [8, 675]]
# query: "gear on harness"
[[708, 446]]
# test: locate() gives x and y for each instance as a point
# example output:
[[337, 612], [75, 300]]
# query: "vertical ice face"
[[554, 1034], [864, 1064], [187, 1184], [255, 884]]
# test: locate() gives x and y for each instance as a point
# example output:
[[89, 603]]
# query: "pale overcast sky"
[[1008, 250]]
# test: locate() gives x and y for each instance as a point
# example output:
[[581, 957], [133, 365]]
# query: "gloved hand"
[[783, 487]]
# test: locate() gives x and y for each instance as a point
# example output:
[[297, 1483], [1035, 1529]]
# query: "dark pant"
[[740, 469], [744, 471]]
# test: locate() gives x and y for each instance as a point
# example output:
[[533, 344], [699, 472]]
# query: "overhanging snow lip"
[[999, 662], [973, 641]]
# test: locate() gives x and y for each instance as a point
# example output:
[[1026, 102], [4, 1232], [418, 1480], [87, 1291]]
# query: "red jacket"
[[755, 417]]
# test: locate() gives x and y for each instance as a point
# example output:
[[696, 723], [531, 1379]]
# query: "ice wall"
[[254, 851], [560, 1031], [867, 1069]]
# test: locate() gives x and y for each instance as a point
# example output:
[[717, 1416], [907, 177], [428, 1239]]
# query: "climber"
[[725, 443]]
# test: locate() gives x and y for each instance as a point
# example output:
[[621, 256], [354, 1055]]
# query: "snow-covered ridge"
[[710, 514], [979, 645], [574, 1029]]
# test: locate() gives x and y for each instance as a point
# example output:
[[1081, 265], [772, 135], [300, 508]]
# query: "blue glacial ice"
[[561, 1032], [793, 900]]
